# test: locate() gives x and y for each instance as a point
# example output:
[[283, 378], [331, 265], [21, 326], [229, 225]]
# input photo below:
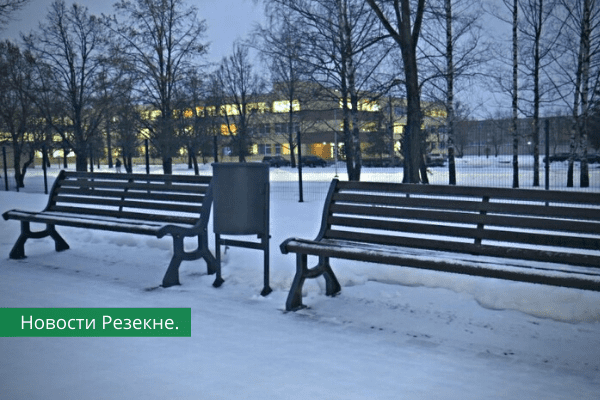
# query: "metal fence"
[[489, 171]]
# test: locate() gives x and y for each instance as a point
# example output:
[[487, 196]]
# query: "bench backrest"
[[180, 199], [552, 226]]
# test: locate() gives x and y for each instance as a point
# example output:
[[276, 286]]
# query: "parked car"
[[558, 157], [435, 160], [385, 162], [313, 161], [591, 158], [276, 161]]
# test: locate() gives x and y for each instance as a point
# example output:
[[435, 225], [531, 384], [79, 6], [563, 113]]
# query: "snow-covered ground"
[[393, 333]]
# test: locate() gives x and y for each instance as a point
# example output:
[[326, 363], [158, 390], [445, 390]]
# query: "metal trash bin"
[[241, 207], [241, 198]]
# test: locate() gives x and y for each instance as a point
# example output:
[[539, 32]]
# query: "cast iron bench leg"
[[171, 277], [294, 299], [213, 266], [332, 286], [59, 243], [18, 250]]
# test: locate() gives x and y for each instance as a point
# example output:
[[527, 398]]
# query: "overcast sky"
[[227, 20]]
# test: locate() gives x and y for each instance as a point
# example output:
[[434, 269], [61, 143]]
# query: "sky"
[[392, 333], [227, 20]]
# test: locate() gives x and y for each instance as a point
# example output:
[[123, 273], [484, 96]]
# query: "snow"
[[393, 333]]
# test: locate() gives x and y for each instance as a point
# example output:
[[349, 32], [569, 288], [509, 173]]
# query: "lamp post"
[[335, 140], [300, 190]]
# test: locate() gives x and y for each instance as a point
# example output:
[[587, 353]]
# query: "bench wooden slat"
[[138, 177], [173, 197], [99, 212], [136, 186], [572, 279], [469, 205], [402, 226], [473, 232], [461, 217], [470, 248], [552, 196], [119, 204], [540, 239], [145, 227], [406, 202]]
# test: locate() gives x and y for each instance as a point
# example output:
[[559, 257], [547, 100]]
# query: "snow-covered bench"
[[537, 236], [155, 205]]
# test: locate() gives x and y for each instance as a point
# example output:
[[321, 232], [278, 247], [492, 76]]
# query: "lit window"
[[282, 106], [152, 115], [370, 127], [230, 109], [261, 108], [227, 130], [363, 105]]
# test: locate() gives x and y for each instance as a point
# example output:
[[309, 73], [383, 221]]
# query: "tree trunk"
[[109, 143], [167, 164], [292, 148], [17, 164], [585, 76], [515, 97], [195, 162], [81, 162], [450, 93], [572, 147], [536, 94], [413, 157]]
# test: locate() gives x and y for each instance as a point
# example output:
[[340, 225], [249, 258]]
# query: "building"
[[318, 116]]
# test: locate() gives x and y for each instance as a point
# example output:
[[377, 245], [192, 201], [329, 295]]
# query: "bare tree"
[[403, 22], [509, 84], [455, 52], [127, 127], [281, 44], [194, 127], [18, 114], [70, 43], [577, 73], [515, 88], [7, 8], [537, 41], [161, 39], [115, 88], [214, 100], [340, 37], [124, 117], [241, 89]]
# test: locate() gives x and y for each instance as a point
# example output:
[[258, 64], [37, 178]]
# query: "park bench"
[[155, 205], [536, 236]]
